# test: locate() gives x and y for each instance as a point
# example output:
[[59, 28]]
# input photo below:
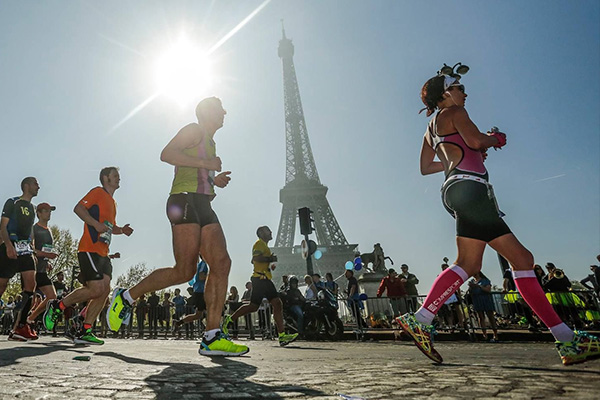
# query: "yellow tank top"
[[196, 180]]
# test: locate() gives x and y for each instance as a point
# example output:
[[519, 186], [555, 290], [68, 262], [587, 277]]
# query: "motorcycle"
[[321, 318]]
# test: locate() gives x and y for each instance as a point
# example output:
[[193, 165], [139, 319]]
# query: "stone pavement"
[[146, 369]]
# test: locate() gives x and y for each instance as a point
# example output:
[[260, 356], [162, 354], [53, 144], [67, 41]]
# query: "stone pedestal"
[[368, 283]]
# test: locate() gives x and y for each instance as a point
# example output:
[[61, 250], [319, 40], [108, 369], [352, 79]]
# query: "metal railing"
[[579, 309]]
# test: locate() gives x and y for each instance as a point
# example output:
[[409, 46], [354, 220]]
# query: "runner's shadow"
[[32, 349], [229, 378]]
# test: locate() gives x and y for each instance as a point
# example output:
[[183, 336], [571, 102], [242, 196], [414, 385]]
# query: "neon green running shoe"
[[221, 345], [87, 337], [583, 347], [52, 314], [285, 339], [421, 335], [225, 325], [118, 310]]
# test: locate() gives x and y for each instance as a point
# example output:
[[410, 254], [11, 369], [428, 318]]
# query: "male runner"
[[195, 227], [98, 210], [44, 251], [16, 253], [263, 287]]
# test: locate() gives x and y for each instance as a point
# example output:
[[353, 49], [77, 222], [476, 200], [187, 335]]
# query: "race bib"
[[106, 237], [23, 248], [48, 248]]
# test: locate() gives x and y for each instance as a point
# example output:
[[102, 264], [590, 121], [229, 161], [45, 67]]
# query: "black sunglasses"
[[459, 87]]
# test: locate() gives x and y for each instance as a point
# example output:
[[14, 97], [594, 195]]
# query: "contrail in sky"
[[552, 177]]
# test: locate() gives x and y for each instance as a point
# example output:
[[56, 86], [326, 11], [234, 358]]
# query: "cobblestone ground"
[[146, 369]]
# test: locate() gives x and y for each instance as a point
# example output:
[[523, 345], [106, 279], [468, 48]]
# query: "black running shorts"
[[476, 213], [261, 289], [197, 300], [10, 266], [191, 208], [93, 266], [42, 279]]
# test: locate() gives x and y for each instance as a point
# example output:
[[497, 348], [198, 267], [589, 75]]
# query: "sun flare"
[[183, 72]]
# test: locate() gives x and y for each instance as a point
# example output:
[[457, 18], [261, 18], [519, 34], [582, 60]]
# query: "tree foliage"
[[133, 276]]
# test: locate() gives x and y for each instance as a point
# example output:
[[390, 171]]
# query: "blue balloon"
[[363, 296], [349, 265], [318, 254], [358, 267], [358, 260]]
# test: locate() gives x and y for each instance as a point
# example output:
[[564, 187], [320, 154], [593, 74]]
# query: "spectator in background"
[[354, 302], [8, 316], [396, 292], [331, 285], [248, 317], [563, 302], [317, 281], [483, 304], [310, 293], [179, 302], [539, 274], [593, 278], [141, 308], [164, 313], [410, 283], [556, 280], [285, 284], [233, 300], [294, 301], [153, 305]]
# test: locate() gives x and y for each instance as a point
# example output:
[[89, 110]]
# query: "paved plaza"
[[146, 369]]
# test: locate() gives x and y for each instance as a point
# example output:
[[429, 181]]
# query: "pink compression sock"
[[530, 289], [444, 286]]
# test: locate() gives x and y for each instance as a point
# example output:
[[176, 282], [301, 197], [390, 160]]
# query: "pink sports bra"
[[471, 161]]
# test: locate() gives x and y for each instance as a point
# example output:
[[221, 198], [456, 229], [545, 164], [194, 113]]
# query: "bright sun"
[[183, 72]]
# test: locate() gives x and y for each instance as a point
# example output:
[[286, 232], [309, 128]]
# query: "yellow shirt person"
[[262, 270]]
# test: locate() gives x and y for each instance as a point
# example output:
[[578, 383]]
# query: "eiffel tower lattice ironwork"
[[303, 188]]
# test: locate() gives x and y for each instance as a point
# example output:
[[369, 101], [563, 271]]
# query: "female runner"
[[469, 198]]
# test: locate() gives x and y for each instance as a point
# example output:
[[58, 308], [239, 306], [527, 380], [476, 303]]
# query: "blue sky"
[[69, 74]]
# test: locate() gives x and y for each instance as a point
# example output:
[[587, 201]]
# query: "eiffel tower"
[[303, 188]]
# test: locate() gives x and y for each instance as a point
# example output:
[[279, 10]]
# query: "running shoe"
[[87, 337], [18, 335], [285, 339], [226, 321], [32, 333], [23, 333], [74, 326], [583, 347], [421, 335], [118, 311], [52, 314], [221, 345]]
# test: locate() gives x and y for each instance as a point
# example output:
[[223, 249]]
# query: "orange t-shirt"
[[103, 208]]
